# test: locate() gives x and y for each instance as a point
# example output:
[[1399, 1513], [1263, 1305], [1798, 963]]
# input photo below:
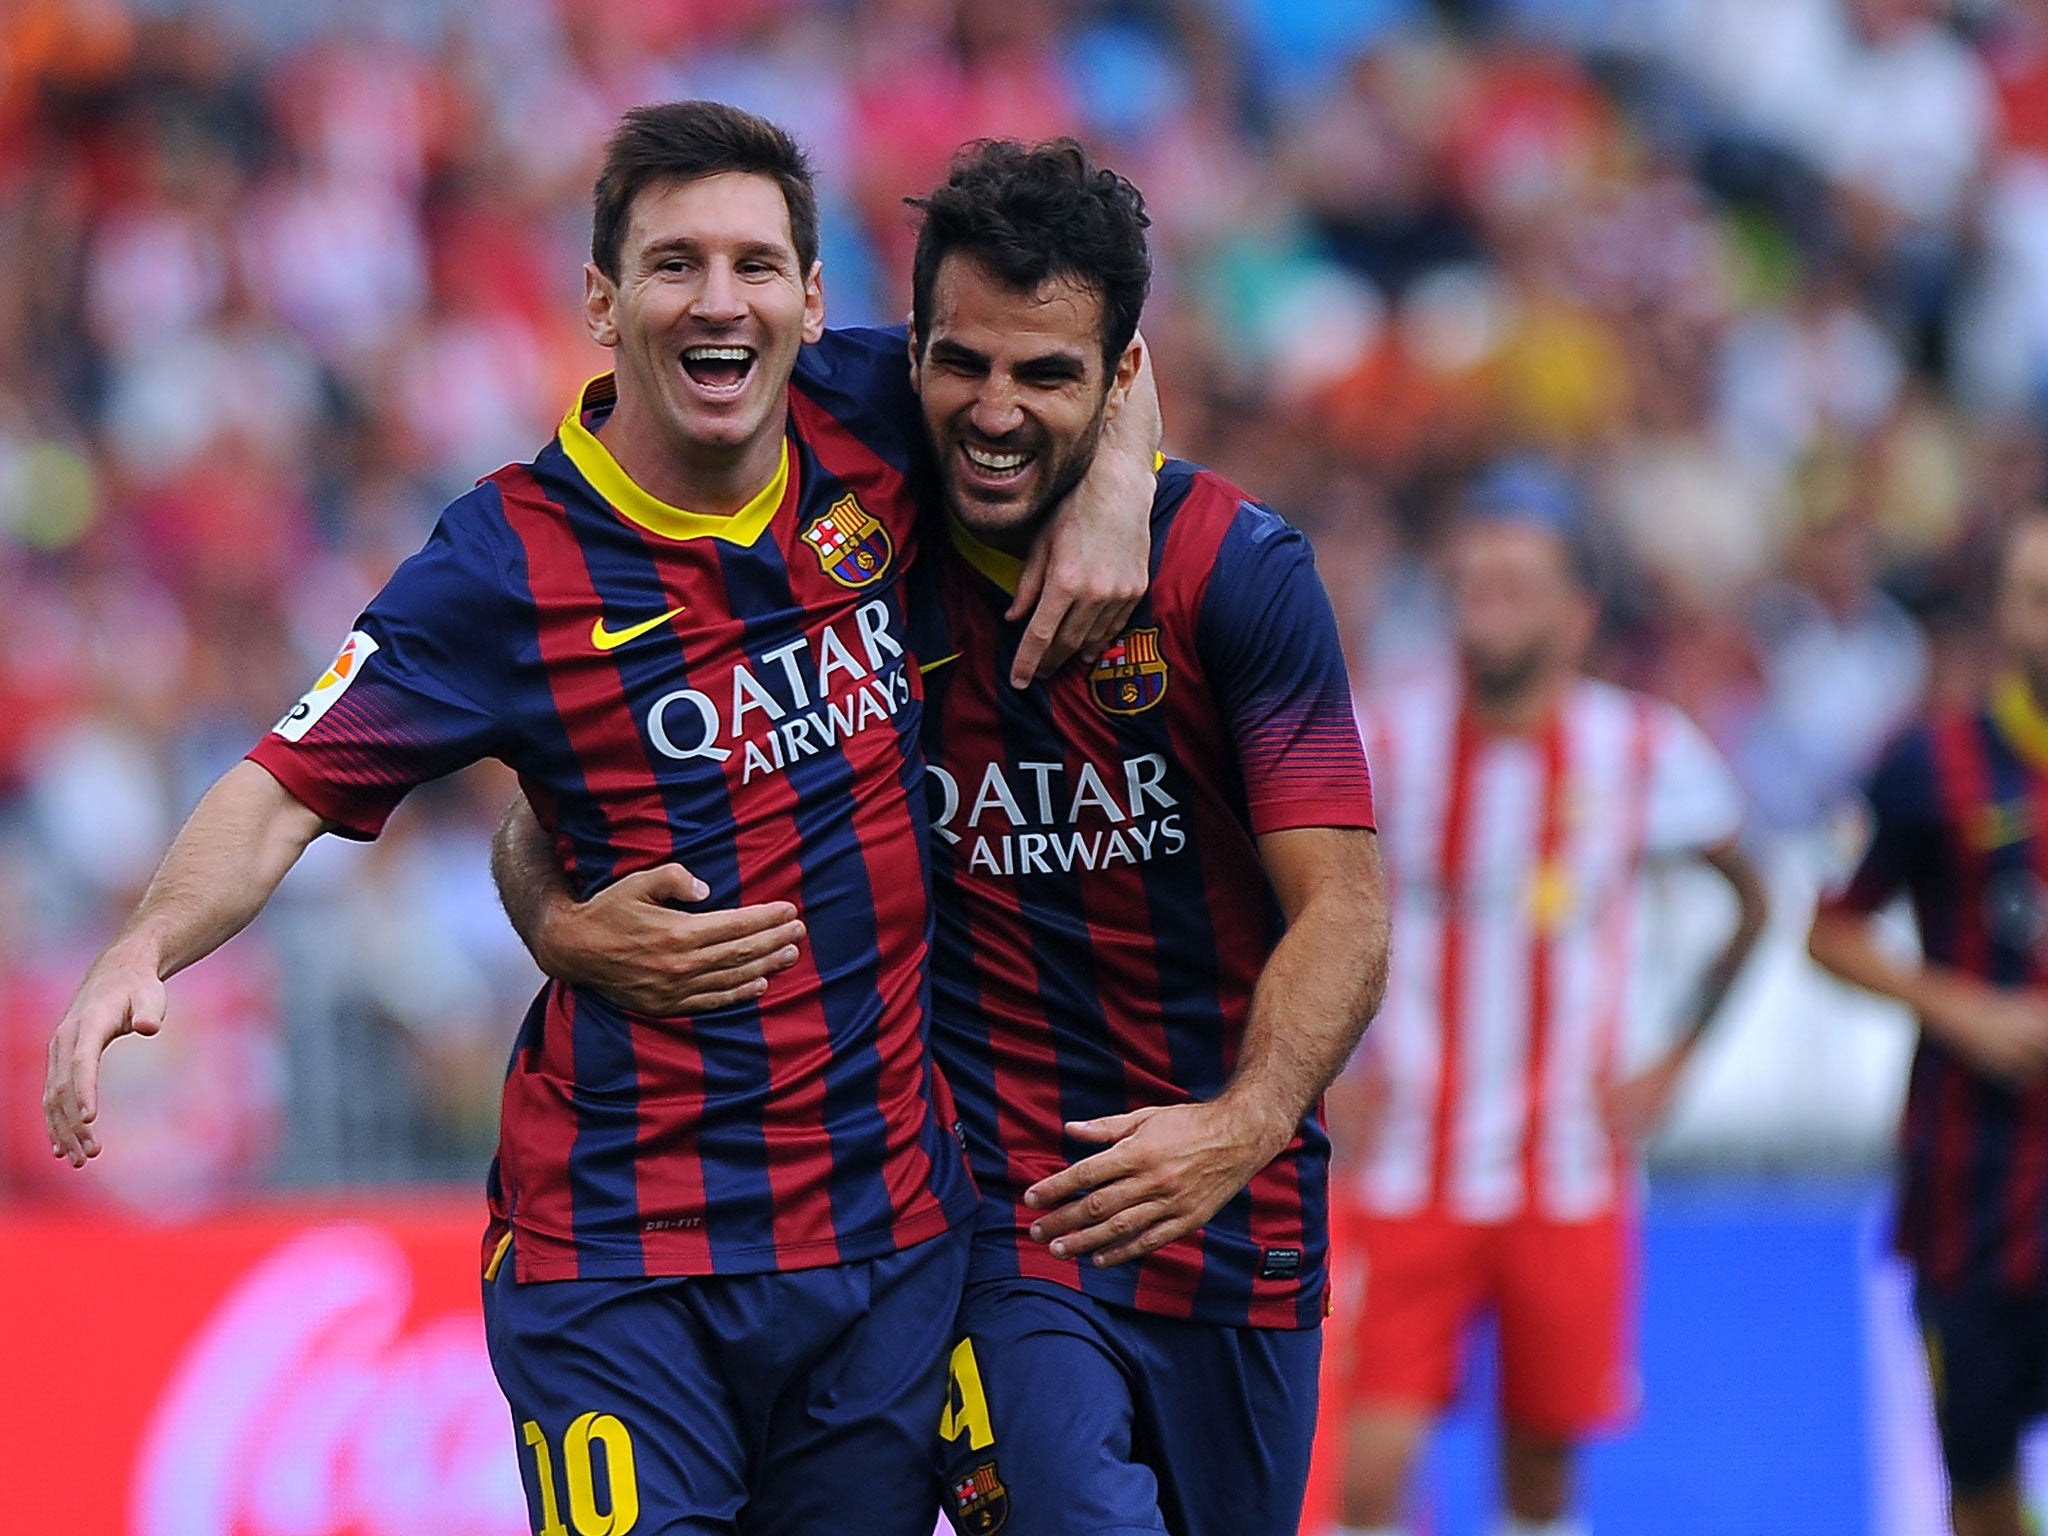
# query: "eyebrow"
[[1057, 364], [687, 245]]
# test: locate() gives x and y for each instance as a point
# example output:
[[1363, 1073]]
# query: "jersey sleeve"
[[1901, 820], [1268, 641], [1695, 803], [408, 698]]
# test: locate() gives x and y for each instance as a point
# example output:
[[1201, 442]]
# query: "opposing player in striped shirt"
[[1521, 804], [1959, 811]]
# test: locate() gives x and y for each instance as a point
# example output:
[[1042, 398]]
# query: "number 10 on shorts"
[[578, 1465]]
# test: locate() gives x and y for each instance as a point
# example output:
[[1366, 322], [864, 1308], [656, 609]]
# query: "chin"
[[992, 519]]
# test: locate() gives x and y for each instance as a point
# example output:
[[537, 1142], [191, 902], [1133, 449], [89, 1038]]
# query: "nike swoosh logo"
[[611, 639], [933, 666]]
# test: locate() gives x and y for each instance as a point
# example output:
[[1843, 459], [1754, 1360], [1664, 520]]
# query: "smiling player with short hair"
[[726, 1244]]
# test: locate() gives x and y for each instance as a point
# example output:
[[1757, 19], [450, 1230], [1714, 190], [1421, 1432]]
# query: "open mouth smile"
[[995, 469], [720, 371]]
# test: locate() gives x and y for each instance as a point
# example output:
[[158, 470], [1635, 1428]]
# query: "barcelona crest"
[[852, 548], [980, 1501], [1131, 677]]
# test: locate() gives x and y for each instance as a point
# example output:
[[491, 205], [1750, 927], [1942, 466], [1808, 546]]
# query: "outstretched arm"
[[229, 856], [1089, 567], [629, 941], [1170, 1168]]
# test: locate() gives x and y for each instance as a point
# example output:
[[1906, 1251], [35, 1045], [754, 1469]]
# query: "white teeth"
[[994, 462], [718, 354]]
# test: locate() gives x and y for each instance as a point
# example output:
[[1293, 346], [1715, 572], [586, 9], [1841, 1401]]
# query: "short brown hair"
[[1032, 213], [686, 141]]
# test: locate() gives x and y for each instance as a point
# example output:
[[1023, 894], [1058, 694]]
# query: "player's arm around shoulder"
[[241, 839], [1089, 568]]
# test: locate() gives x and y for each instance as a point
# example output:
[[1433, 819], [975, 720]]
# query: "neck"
[[1522, 709], [714, 479]]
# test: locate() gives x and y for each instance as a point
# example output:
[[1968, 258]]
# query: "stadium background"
[[1768, 277]]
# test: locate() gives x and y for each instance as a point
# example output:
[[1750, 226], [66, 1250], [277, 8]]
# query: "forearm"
[[1135, 431], [240, 841], [1841, 942], [1753, 911], [530, 880], [1313, 1001]]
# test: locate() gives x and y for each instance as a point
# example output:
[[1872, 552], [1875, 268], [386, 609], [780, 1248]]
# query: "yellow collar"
[[2020, 720], [609, 479], [1006, 571]]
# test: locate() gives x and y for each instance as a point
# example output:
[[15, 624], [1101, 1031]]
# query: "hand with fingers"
[[631, 943], [1080, 592], [121, 995], [1164, 1172], [1636, 1105]]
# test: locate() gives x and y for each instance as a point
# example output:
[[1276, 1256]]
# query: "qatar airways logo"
[[1041, 820], [303, 1409], [815, 696]]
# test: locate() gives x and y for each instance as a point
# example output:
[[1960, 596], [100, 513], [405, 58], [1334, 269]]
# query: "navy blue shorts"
[[1069, 1416], [792, 1404], [1987, 1358]]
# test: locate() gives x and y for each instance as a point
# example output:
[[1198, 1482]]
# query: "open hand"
[[121, 995]]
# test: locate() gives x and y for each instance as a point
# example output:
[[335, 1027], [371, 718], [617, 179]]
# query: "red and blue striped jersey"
[[735, 693], [1959, 811], [1103, 914]]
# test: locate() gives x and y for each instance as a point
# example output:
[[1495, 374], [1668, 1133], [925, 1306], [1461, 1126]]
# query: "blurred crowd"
[[1765, 280]]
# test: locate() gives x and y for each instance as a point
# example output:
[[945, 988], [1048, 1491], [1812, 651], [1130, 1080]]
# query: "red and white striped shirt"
[[1517, 868]]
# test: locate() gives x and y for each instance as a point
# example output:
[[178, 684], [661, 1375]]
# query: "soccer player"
[[725, 1250], [1960, 825], [1161, 920], [1521, 805]]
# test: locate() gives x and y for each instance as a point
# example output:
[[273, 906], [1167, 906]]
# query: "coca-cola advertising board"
[[286, 1372]]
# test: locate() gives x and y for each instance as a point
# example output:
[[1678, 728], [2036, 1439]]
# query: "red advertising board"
[[303, 1371]]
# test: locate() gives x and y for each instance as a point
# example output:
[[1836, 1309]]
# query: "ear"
[[600, 306], [814, 303], [1125, 376], [916, 359]]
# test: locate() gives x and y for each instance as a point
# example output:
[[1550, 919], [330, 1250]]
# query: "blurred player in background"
[[1161, 919], [1521, 806], [683, 624], [1960, 825]]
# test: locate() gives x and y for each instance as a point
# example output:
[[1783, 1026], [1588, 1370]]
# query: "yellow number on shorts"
[[624, 1487], [966, 1405], [550, 1511]]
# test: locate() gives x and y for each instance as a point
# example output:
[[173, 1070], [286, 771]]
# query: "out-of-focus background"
[[279, 277]]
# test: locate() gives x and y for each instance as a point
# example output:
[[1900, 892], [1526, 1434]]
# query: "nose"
[[719, 299], [997, 411]]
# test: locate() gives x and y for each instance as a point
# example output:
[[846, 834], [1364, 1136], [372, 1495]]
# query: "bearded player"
[[726, 1243], [1524, 805], [1161, 925]]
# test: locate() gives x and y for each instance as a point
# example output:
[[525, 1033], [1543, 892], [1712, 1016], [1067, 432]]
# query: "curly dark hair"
[[1030, 213], [686, 140]]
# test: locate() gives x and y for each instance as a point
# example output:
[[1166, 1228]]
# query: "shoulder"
[[855, 358], [1210, 538], [1200, 508], [853, 387]]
